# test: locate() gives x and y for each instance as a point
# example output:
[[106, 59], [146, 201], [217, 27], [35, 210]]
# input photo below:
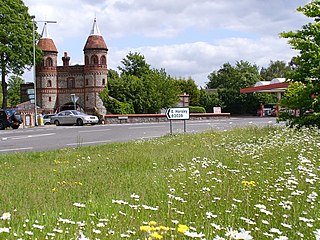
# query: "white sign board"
[[74, 98], [177, 113], [216, 109]]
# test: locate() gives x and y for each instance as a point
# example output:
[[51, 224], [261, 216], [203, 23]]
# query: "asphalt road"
[[52, 137]]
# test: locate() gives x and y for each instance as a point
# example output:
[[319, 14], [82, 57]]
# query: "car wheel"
[[1, 125], [15, 126], [56, 122], [79, 122]]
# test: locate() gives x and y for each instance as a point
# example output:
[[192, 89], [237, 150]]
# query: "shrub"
[[196, 109]]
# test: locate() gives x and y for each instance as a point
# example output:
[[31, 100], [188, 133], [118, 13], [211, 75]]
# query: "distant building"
[[55, 84]]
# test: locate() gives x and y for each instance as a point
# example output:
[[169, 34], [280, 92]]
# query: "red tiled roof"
[[95, 42], [47, 45]]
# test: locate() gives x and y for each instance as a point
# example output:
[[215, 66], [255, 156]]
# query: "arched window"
[[49, 99], [86, 60], [49, 62], [103, 82], [71, 83], [49, 83], [103, 60], [94, 60], [87, 98], [87, 82]]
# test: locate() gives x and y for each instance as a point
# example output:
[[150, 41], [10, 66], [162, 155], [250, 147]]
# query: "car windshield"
[[74, 112]]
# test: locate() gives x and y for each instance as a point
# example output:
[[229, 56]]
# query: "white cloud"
[[186, 37]]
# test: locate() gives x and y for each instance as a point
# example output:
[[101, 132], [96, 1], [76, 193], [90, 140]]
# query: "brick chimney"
[[65, 59]]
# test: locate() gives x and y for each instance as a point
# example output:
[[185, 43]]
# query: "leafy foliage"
[[16, 43], [209, 100], [276, 69], [304, 94], [14, 90], [189, 87], [146, 90], [197, 109], [229, 80]]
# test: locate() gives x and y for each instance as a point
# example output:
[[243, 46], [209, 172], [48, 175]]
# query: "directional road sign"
[[177, 113]]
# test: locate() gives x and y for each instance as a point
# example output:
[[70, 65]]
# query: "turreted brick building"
[[55, 84]]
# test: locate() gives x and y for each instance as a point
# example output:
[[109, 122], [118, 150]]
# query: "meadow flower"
[[156, 235], [182, 228], [82, 236], [231, 233], [317, 234], [96, 231], [38, 226], [79, 205], [123, 235], [6, 216], [28, 233], [243, 234], [281, 238], [218, 238], [194, 234], [4, 230], [275, 230]]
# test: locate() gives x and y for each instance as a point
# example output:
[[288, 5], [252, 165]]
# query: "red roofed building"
[[55, 84]]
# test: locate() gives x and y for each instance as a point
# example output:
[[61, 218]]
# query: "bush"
[[196, 109], [309, 120]]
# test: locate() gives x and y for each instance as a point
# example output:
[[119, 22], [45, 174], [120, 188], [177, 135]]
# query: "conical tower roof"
[[95, 39], [46, 43]]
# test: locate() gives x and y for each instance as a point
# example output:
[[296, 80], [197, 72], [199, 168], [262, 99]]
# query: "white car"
[[71, 117]]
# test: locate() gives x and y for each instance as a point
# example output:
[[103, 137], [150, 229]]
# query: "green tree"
[[146, 90], [134, 64], [209, 100], [0, 91], [14, 90], [306, 65], [16, 41], [276, 69], [229, 80], [190, 87]]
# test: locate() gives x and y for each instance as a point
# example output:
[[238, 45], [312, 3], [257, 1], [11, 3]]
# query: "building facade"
[[56, 84]]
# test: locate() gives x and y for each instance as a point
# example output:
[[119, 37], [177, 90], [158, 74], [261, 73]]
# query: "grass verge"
[[252, 183]]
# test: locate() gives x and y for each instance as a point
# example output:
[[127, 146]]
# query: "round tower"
[[46, 73], [95, 70]]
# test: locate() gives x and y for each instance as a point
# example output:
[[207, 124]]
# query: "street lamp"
[[34, 66]]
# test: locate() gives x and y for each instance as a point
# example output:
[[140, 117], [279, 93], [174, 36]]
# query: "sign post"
[[74, 99], [177, 114]]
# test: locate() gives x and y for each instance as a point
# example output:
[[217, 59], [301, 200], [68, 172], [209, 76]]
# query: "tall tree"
[[190, 87], [229, 80], [306, 67], [276, 69], [16, 41], [146, 90], [134, 64], [14, 90]]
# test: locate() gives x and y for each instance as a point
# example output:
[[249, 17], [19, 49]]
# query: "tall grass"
[[248, 183]]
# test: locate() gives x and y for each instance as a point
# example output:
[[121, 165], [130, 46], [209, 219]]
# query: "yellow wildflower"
[[152, 223], [183, 228], [156, 235], [145, 228]]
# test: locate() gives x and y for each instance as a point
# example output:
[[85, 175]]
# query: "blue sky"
[[189, 38]]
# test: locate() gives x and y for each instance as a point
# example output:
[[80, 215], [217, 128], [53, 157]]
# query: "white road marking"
[[143, 127], [90, 131], [15, 149], [32, 136], [84, 143]]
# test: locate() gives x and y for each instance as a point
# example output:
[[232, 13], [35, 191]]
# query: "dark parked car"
[[10, 118]]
